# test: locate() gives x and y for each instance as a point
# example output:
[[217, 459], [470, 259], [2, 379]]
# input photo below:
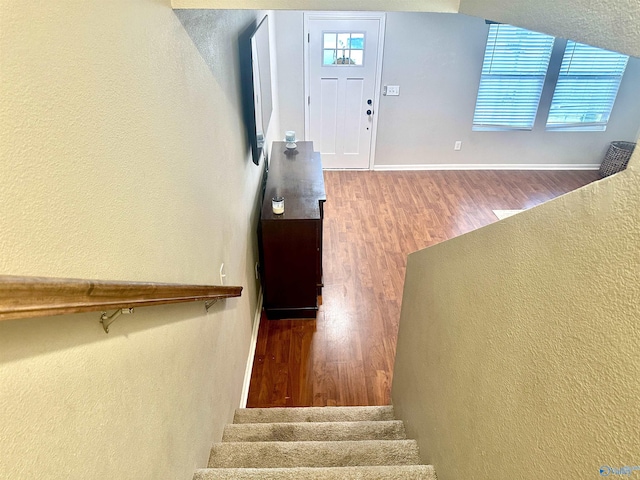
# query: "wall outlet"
[[392, 90], [223, 274], [457, 145]]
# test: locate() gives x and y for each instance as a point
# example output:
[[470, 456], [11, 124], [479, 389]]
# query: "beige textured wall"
[[122, 157], [611, 24], [517, 354], [365, 5]]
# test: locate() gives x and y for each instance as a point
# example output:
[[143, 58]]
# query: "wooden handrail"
[[24, 297]]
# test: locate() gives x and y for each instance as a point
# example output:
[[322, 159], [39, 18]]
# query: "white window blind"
[[587, 88], [513, 72]]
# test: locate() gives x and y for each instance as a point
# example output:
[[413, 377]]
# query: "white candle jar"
[[277, 204], [290, 136]]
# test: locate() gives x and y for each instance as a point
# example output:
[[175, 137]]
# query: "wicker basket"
[[616, 158]]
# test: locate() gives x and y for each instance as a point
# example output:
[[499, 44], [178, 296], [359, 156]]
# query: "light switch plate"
[[393, 90]]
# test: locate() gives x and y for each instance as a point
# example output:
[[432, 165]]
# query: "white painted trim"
[[345, 169], [490, 166], [377, 88], [252, 351]]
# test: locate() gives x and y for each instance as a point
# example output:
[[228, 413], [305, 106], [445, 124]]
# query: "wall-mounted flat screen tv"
[[260, 85]]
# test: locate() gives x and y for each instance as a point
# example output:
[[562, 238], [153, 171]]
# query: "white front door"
[[343, 67]]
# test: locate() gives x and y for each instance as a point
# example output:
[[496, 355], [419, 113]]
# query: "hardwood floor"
[[372, 221]]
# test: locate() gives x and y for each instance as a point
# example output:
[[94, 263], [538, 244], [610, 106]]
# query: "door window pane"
[[357, 57], [343, 40], [329, 57], [330, 40], [357, 41]]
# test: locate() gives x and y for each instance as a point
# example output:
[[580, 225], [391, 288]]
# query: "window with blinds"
[[586, 89], [513, 73]]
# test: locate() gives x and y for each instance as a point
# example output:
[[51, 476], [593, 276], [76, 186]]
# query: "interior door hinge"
[[308, 37], [309, 100]]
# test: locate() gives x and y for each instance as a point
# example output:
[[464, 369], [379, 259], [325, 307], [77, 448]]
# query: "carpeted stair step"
[[403, 472], [314, 431], [313, 454], [313, 414]]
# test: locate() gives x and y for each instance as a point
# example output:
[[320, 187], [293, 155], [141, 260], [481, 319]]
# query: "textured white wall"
[[123, 156], [436, 58], [290, 52]]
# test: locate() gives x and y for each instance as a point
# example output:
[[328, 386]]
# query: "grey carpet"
[[313, 414], [313, 454], [312, 431], [410, 472], [349, 443]]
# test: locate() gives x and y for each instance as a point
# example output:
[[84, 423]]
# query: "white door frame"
[[377, 91]]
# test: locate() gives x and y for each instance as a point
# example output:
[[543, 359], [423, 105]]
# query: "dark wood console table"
[[291, 243]]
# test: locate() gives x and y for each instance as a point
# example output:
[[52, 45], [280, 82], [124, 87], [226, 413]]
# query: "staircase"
[[345, 443]]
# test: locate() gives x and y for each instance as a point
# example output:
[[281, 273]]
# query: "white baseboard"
[[491, 166], [252, 351]]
